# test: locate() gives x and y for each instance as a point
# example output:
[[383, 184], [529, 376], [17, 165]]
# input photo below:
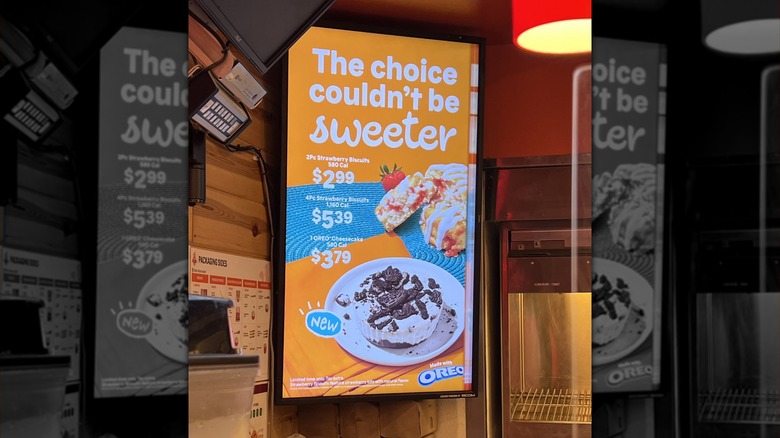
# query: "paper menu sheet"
[[57, 282], [247, 282]]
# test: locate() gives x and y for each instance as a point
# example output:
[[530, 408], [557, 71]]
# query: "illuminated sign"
[[379, 222]]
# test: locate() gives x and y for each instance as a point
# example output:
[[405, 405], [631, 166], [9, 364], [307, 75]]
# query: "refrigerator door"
[[547, 364], [738, 364]]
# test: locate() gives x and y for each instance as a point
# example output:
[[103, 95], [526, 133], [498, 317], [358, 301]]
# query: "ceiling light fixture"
[[557, 27], [741, 28]]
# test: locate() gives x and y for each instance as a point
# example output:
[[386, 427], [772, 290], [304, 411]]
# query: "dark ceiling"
[[489, 19], [716, 97], [723, 90]]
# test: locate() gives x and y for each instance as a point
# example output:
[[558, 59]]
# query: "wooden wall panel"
[[45, 216], [237, 173], [234, 218], [232, 224]]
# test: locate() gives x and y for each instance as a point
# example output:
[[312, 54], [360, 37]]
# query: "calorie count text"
[[327, 218], [331, 204], [145, 173]]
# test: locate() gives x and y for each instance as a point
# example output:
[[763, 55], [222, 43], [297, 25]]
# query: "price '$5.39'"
[[141, 218], [328, 218]]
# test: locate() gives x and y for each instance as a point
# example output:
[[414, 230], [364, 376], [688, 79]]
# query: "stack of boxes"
[[391, 419]]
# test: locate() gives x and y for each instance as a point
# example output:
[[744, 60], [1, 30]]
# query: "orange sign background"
[[371, 48]]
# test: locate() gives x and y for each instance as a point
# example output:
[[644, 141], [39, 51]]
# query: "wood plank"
[[190, 226], [264, 133], [49, 162], [47, 208], [225, 239], [229, 223], [2, 225], [22, 233], [237, 173], [47, 183]]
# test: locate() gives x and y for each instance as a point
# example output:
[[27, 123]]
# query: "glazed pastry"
[[628, 197], [442, 193], [399, 203], [443, 221]]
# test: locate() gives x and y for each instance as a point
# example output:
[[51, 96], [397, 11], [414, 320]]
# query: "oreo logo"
[[428, 377], [621, 375]]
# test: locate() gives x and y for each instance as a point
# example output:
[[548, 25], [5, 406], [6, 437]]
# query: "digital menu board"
[[377, 291], [629, 88], [141, 303]]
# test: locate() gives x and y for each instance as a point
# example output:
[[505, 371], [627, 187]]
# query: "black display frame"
[[217, 12], [278, 327]]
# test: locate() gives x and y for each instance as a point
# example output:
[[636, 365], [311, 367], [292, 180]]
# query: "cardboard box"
[[408, 419], [285, 411], [285, 421], [319, 420], [284, 427], [359, 420]]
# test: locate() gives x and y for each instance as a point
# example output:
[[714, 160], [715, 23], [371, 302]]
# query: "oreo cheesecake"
[[397, 310], [611, 306], [171, 308]]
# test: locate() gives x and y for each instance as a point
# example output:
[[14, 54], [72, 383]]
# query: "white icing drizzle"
[[447, 215]]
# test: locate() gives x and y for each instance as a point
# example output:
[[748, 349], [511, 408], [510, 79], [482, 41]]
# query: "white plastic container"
[[220, 395], [32, 392]]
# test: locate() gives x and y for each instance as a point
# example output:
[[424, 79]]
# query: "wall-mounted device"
[[9, 170], [197, 167], [40, 74], [17, 50], [15, 47], [244, 86], [24, 109], [49, 80], [215, 110], [90, 24], [263, 30]]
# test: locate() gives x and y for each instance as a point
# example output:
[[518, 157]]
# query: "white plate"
[[641, 299], [447, 331], [162, 336]]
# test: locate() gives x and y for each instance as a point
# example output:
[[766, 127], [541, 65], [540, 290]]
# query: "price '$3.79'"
[[328, 258], [140, 258]]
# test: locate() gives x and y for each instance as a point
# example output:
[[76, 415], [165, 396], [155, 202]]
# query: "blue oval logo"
[[323, 323]]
